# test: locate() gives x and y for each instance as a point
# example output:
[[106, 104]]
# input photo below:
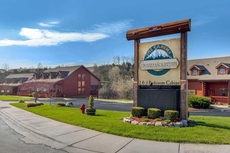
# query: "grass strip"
[[208, 130], [13, 98]]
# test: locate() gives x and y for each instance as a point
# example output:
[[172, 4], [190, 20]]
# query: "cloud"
[[49, 24], [37, 37], [113, 28], [44, 37], [202, 20]]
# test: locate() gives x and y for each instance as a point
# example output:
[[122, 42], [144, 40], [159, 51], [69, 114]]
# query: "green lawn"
[[13, 98], [210, 130]]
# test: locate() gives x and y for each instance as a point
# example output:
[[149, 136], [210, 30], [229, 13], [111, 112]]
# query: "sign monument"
[[160, 78]]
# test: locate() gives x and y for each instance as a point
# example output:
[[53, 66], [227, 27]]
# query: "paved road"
[[11, 142], [118, 106], [224, 112], [98, 104]]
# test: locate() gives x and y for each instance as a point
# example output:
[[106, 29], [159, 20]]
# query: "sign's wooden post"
[[183, 78], [136, 62], [228, 92], [181, 27]]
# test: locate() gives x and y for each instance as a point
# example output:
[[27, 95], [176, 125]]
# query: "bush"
[[195, 101], [21, 101], [154, 113], [167, 121], [91, 102], [171, 115], [138, 111], [145, 119], [34, 104], [60, 103], [39, 104]]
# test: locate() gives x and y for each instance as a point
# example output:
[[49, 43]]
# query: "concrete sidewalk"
[[74, 139]]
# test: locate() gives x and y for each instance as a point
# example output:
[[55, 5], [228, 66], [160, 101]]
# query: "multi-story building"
[[74, 81], [210, 77]]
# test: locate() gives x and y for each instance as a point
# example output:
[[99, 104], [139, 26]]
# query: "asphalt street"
[[127, 106], [10, 142], [98, 104]]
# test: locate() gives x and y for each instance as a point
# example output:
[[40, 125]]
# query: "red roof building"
[[210, 77], [74, 81]]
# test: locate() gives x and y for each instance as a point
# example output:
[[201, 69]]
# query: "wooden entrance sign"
[[181, 27]]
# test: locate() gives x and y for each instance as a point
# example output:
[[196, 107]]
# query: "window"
[[79, 76], [223, 93], [222, 71], [93, 89], [81, 83], [79, 90], [83, 77], [194, 72]]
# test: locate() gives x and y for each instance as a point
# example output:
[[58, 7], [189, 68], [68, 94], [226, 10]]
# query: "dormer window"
[[194, 72], [222, 70], [197, 70]]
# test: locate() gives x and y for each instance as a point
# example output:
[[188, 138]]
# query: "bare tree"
[[35, 87], [125, 59], [116, 60], [114, 74], [39, 68], [132, 60], [6, 67]]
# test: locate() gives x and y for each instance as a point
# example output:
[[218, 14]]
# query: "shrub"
[[39, 104], [145, 119], [30, 95], [195, 101], [171, 115], [90, 110], [34, 104], [91, 103], [60, 103], [21, 101], [167, 121], [138, 111], [154, 113]]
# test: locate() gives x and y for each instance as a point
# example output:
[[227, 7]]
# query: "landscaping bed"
[[158, 122]]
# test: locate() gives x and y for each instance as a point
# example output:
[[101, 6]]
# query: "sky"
[[88, 32]]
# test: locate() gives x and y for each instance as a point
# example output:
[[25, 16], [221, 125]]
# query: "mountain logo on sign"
[[156, 54]]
